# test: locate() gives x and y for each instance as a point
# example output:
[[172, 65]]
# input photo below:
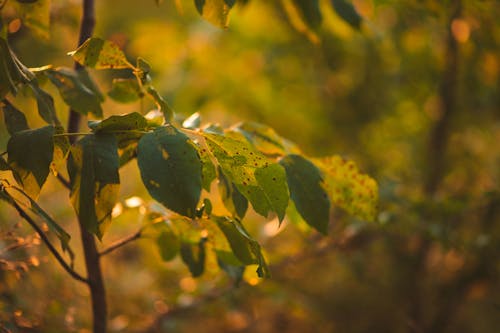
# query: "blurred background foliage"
[[413, 96]]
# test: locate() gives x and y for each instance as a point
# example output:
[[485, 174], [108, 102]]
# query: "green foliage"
[[100, 54], [93, 169], [170, 169]]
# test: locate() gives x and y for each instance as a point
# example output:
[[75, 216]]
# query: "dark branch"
[[47, 242], [121, 242]]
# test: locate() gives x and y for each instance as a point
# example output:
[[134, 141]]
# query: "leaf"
[[306, 190], [100, 54], [125, 90], [93, 170], [36, 16], [348, 188], [169, 245], [170, 169], [75, 92], [4, 166], [244, 247], [61, 234], [163, 106], [30, 156], [263, 183], [10, 73], [234, 201], [194, 256], [128, 122], [15, 121], [45, 104], [215, 11], [310, 12], [265, 139], [347, 12], [208, 172]]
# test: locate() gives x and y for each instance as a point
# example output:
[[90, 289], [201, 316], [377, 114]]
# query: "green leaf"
[[244, 247], [194, 256], [169, 245], [163, 106], [15, 121], [128, 122], [171, 169], [36, 16], [215, 11], [100, 54], [348, 188], [208, 172], [59, 231], [125, 90], [347, 12], [265, 139], [10, 72], [30, 156], [234, 201], [75, 92], [306, 190], [93, 169], [310, 12], [45, 104], [263, 183]]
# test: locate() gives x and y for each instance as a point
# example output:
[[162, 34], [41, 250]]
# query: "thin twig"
[[47, 242], [121, 242]]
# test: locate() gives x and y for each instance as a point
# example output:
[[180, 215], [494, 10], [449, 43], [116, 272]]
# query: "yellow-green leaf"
[[100, 54]]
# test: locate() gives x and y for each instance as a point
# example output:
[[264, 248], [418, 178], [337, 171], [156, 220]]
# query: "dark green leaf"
[[215, 11], [310, 12], [208, 172], [347, 12], [163, 106], [263, 183], [244, 247], [171, 169], [10, 73], [75, 93], [234, 201], [128, 122], [15, 121], [194, 256], [306, 190], [30, 156], [125, 90], [169, 245], [93, 169], [100, 54], [45, 104]]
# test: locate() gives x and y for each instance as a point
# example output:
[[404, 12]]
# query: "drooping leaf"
[[193, 255], [36, 16], [234, 201], [310, 12], [10, 72], [244, 247], [93, 169], [262, 182], [355, 192], [306, 190], [125, 90], [59, 231], [347, 12], [163, 106], [75, 93], [168, 244], [30, 156], [100, 54], [215, 11], [45, 104], [15, 121], [171, 169]]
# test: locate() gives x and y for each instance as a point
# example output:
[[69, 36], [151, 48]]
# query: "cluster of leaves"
[[177, 161]]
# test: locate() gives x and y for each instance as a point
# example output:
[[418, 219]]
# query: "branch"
[[64, 181], [47, 242], [121, 243]]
